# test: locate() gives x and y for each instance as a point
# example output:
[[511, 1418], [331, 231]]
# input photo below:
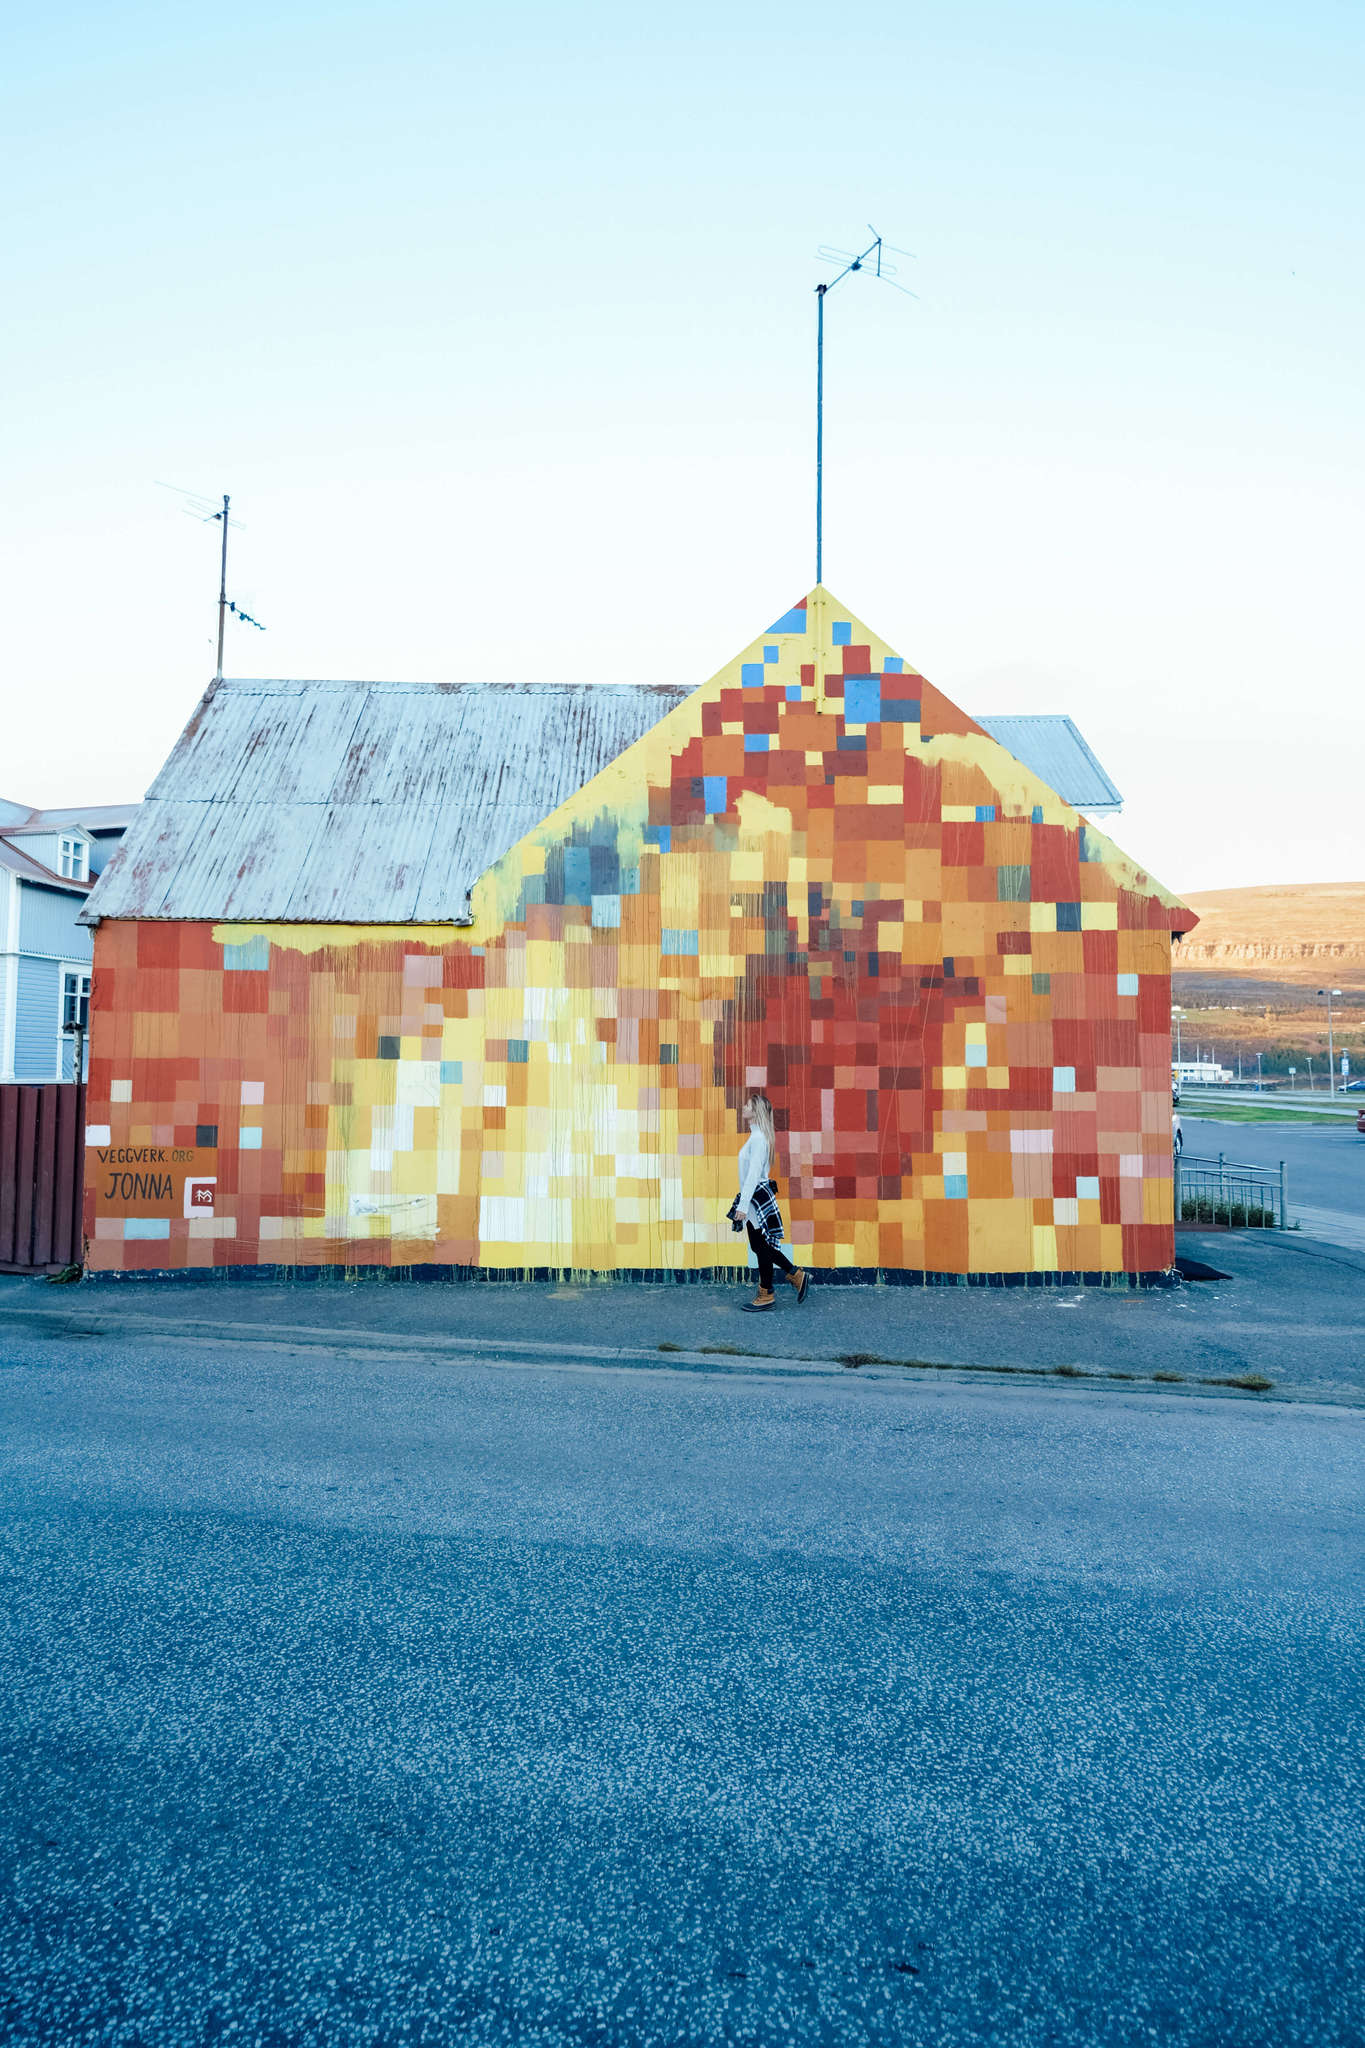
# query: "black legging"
[[768, 1256]]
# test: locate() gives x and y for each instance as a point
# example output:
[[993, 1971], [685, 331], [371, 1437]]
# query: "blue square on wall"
[[451, 1070], [893, 665], [793, 621], [251, 957], [862, 700], [756, 742], [713, 794], [771, 653], [842, 633], [955, 1187], [751, 674]]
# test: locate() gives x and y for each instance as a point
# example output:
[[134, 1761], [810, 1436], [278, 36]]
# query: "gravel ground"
[[380, 1700]]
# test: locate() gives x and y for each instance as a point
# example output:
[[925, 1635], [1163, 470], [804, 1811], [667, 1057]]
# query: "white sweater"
[[753, 1168]]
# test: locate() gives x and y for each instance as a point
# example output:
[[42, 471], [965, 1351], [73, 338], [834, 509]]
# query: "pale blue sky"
[[498, 326]]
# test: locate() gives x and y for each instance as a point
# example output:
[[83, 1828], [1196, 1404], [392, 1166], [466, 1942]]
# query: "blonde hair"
[[763, 1118]]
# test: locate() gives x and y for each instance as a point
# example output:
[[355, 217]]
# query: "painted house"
[[476, 977], [48, 861]]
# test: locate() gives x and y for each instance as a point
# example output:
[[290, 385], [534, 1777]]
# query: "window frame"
[[73, 857], [73, 971]]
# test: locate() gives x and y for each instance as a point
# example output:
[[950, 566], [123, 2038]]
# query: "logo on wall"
[[199, 1194]]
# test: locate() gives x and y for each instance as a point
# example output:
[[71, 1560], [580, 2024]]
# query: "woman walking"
[[755, 1206]]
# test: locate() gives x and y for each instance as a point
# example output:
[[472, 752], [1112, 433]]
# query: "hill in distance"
[[1296, 933], [1247, 976]]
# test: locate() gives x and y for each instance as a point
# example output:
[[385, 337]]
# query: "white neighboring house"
[[48, 860]]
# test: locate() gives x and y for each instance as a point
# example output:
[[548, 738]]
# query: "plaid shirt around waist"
[[765, 1214]]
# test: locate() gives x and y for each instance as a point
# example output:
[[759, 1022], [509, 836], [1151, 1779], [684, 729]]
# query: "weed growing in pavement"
[[1246, 1383], [715, 1350]]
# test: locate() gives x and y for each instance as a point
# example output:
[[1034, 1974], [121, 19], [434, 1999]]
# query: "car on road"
[[1360, 1121]]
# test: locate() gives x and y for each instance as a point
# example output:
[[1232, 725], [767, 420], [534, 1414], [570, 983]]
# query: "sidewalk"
[[1290, 1309]]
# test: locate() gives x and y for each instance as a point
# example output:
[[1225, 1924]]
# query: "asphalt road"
[[368, 1701], [1326, 1165]]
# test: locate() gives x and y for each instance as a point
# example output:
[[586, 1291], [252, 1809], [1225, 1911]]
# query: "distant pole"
[[820, 291], [1331, 1050], [1331, 1042], [222, 588]]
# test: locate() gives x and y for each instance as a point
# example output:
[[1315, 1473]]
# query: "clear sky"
[[498, 325]]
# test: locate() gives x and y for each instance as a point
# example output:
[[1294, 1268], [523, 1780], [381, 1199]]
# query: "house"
[[48, 861], [476, 977]]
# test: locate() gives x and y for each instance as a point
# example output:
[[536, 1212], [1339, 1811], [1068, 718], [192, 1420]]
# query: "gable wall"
[[814, 876]]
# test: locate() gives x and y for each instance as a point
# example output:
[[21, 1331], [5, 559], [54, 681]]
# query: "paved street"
[[353, 1699], [1326, 1169]]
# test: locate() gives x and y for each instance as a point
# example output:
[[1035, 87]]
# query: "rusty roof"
[[364, 803]]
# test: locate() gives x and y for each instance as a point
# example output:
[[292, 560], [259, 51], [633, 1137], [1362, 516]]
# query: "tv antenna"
[[225, 604], [199, 508], [872, 258]]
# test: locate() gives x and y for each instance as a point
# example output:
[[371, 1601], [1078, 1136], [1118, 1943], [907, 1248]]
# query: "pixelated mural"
[[816, 876]]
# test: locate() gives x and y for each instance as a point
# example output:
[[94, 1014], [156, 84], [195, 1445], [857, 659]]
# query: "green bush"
[[1240, 1215]]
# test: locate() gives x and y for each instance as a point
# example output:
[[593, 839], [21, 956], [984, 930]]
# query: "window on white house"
[[73, 858]]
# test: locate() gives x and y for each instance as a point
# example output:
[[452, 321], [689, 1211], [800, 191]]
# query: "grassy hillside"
[[1248, 974], [1301, 933]]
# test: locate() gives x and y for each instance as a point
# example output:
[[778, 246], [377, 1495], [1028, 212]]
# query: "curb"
[[528, 1353]]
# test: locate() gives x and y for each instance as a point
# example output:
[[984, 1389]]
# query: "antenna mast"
[[850, 263], [225, 604], [222, 588]]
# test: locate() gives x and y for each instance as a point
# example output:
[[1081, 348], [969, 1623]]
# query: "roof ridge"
[[300, 683]]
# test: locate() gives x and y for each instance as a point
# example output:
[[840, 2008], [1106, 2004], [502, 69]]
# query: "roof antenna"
[[197, 507], [224, 603], [887, 273]]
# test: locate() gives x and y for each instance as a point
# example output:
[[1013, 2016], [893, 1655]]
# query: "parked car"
[[1175, 1093], [1360, 1122]]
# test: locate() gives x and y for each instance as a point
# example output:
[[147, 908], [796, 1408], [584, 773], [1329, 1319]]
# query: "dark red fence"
[[42, 1174]]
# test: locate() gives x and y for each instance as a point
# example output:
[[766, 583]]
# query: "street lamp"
[[1331, 1049]]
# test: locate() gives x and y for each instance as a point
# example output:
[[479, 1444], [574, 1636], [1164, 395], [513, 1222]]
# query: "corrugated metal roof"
[[366, 803], [94, 817], [1054, 750], [382, 803]]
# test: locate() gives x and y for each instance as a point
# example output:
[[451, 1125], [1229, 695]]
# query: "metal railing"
[[1222, 1191]]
